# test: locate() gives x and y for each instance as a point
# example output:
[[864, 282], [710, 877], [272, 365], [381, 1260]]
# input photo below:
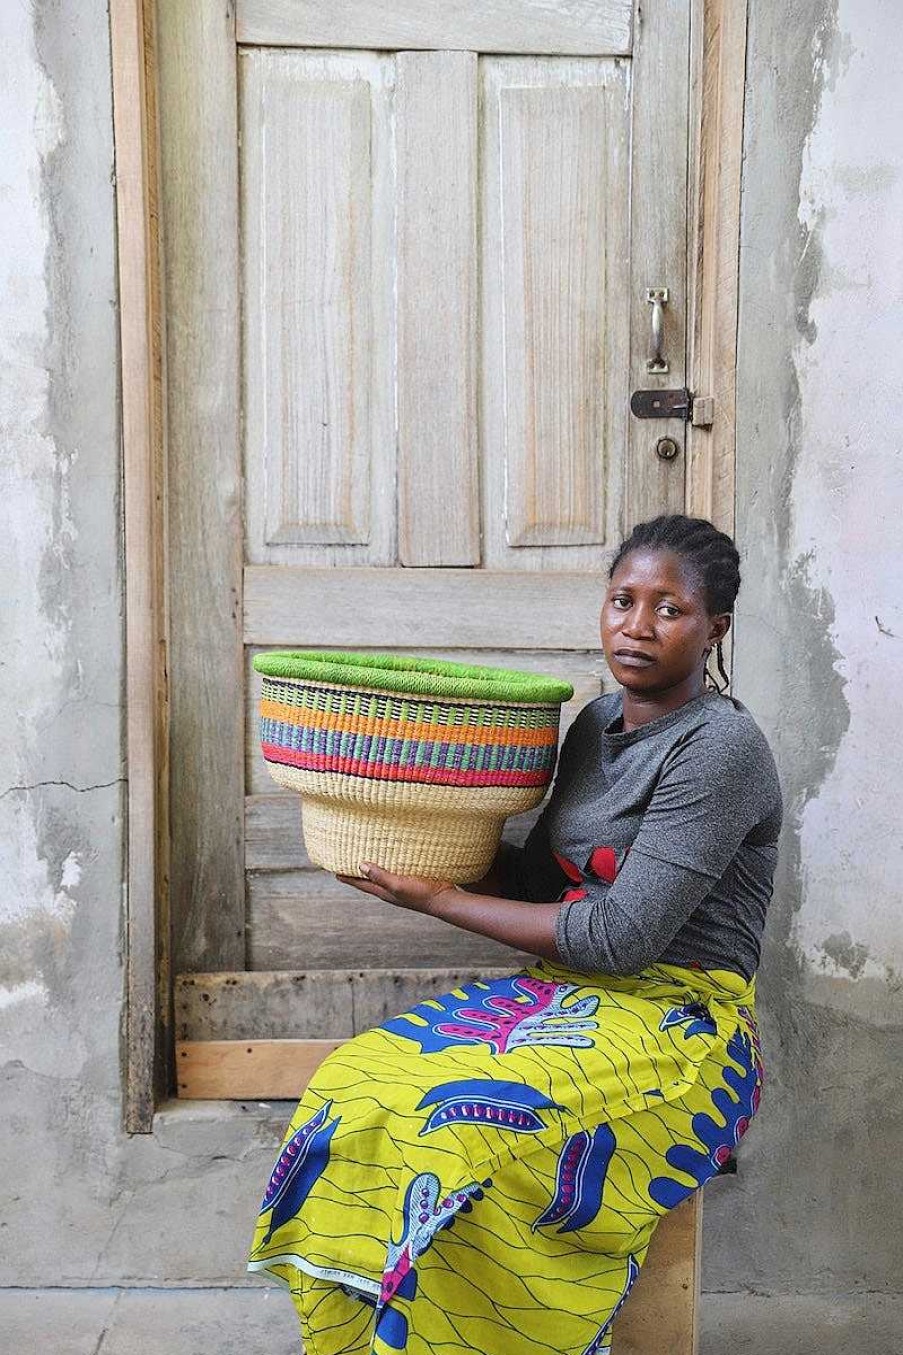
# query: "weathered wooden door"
[[407, 252]]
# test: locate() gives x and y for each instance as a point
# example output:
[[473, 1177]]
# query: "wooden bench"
[[661, 1317]]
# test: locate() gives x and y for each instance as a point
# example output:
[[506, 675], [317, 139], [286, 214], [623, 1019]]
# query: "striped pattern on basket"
[[387, 737]]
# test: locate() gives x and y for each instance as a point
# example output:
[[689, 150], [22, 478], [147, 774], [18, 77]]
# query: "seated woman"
[[484, 1172]]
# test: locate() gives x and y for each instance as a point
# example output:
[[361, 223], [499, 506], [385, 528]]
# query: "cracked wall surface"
[[80, 1202], [819, 500], [817, 655]]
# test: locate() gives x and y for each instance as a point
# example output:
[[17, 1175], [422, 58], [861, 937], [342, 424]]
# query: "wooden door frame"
[[717, 57]]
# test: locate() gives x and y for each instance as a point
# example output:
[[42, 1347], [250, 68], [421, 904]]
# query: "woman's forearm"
[[525, 926]]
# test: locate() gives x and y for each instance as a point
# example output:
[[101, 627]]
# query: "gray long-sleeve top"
[[662, 839]]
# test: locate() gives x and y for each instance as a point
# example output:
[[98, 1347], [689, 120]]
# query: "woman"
[[484, 1172]]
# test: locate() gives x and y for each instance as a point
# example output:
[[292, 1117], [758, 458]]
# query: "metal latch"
[[673, 404]]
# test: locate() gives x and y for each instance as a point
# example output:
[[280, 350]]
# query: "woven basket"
[[412, 764]]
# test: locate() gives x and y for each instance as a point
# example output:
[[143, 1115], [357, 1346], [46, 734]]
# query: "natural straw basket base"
[[439, 846], [440, 832]]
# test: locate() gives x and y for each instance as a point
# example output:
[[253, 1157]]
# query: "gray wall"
[[820, 641], [820, 489]]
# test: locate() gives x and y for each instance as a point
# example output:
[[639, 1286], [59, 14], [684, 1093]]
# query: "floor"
[[260, 1321]]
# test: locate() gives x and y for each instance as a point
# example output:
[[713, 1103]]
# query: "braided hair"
[[711, 553]]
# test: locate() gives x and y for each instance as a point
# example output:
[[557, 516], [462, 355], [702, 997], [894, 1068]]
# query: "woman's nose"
[[640, 621]]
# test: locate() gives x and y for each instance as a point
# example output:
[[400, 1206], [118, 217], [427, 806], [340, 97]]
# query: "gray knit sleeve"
[[716, 788]]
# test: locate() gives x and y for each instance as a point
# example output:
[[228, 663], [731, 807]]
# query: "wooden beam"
[[417, 608], [295, 924], [252, 1070], [438, 462], [199, 200], [318, 1003], [658, 260], [581, 27], [147, 927], [718, 67]]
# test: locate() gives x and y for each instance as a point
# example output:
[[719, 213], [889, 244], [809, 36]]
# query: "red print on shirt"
[[571, 871], [603, 863]]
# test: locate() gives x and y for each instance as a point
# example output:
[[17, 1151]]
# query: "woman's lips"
[[633, 660]]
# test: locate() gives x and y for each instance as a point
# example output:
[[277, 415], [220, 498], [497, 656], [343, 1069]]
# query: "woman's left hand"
[[405, 891]]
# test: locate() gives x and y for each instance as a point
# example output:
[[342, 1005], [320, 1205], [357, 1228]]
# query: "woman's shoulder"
[[728, 736], [597, 714], [725, 719]]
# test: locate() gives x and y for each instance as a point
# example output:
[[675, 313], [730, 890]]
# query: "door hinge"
[[673, 404]]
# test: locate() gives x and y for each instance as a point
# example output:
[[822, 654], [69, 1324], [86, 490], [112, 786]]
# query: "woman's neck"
[[639, 708]]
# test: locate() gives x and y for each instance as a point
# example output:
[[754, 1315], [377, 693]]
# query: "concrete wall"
[[79, 1202], [819, 490], [820, 638]]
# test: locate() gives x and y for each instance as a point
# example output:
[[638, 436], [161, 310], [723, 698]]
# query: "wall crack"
[[80, 790]]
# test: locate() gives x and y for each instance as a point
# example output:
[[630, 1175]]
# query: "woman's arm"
[[524, 926]]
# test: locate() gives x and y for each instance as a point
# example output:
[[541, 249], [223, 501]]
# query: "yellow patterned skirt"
[[485, 1172]]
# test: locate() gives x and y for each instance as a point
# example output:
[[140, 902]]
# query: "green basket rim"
[[413, 676]]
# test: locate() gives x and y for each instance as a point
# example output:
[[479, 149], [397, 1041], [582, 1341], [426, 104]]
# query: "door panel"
[[555, 194], [444, 220], [317, 228]]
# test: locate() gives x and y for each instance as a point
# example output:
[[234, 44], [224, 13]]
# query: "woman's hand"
[[528, 927], [405, 891]]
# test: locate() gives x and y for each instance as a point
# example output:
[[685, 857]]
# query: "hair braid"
[[710, 552]]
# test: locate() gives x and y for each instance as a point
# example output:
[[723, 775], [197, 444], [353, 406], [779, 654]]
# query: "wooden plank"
[[273, 838], [198, 101], [658, 237], [436, 149], [147, 929], [253, 1070], [662, 1311], [719, 61], [554, 142], [601, 27], [337, 927], [314, 1004], [421, 609], [264, 1006]]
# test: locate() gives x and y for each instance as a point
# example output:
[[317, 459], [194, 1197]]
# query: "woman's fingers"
[[380, 876], [367, 887]]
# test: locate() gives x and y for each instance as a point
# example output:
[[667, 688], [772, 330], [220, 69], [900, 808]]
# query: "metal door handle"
[[658, 300]]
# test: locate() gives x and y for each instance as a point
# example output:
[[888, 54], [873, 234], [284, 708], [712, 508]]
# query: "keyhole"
[[666, 449]]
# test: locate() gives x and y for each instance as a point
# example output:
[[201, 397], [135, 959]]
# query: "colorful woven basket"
[[412, 764]]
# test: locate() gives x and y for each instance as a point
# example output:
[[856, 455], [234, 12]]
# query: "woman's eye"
[[621, 603], [669, 610]]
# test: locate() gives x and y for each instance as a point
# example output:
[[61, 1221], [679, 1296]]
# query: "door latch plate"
[[662, 404]]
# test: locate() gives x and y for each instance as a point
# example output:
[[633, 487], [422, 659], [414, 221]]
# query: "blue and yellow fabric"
[[485, 1171]]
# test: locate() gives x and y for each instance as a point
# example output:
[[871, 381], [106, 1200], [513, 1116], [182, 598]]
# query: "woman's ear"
[[721, 624]]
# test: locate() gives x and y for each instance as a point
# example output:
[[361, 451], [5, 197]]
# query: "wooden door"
[[406, 262]]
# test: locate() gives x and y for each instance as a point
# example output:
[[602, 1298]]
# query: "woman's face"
[[655, 627]]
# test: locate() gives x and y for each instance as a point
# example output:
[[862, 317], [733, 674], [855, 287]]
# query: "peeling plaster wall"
[[819, 650], [80, 1202], [820, 489]]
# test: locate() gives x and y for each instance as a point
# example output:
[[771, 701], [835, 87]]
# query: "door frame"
[[717, 75]]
